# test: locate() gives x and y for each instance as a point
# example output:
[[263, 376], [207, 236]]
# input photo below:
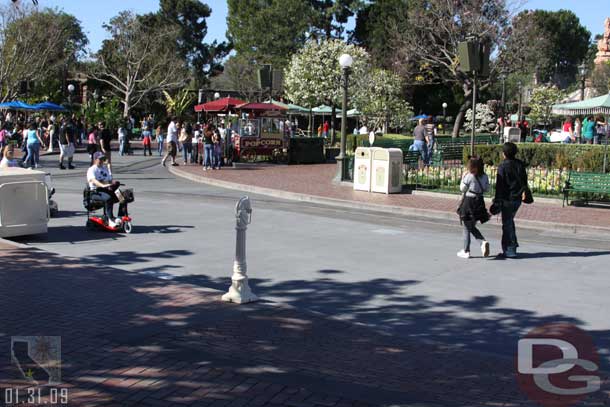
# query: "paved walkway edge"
[[563, 229]]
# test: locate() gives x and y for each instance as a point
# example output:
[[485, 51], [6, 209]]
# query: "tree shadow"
[[127, 337], [540, 255]]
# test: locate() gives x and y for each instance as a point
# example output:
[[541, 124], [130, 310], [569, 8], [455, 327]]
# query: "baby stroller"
[[93, 201]]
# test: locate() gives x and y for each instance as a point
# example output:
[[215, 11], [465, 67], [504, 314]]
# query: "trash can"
[[24, 205], [386, 171], [362, 169]]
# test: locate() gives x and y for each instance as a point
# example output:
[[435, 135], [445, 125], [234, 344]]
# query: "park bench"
[[448, 151], [411, 158], [586, 183]]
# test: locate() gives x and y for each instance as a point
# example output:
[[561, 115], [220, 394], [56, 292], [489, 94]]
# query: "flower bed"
[[542, 181]]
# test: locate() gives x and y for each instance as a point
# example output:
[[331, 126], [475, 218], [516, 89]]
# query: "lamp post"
[[216, 96], [70, 92], [444, 109], [520, 85], [502, 106], [583, 74], [345, 61]]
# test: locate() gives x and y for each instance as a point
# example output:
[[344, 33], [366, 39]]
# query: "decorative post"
[[240, 292], [345, 61]]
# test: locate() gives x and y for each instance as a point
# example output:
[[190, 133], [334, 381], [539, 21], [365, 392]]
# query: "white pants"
[[66, 150]]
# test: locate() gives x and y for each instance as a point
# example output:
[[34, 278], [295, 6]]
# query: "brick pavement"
[[316, 180], [134, 340]]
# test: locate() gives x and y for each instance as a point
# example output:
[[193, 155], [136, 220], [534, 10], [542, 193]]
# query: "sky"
[[92, 13]]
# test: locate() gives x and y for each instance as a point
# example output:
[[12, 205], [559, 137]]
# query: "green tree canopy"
[[189, 16], [268, 31], [550, 44], [37, 47], [138, 60], [328, 17], [374, 28]]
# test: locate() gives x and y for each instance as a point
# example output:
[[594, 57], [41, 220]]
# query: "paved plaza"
[[360, 307]]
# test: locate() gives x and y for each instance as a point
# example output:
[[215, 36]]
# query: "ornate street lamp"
[[216, 95], [444, 109], [70, 93], [345, 61], [582, 69], [503, 106]]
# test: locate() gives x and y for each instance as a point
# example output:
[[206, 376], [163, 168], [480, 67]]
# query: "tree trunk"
[[333, 137], [126, 108], [461, 116]]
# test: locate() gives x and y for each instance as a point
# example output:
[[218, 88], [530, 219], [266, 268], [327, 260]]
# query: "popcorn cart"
[[260, 134]]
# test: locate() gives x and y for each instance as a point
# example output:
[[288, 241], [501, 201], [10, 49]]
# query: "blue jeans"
[[431, 149], [187, 149], [422, 147], [217, 156], [121, 147], [33, 154], [208, 155], [509, 234], [160, 146]]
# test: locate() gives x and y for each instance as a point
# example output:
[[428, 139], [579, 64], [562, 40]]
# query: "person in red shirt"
[[325, 129], [568, 133]]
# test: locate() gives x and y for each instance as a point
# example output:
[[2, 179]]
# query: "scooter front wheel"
[[127, 227]]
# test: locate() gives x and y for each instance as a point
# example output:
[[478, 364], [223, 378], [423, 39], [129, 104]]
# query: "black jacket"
[[511, 180]]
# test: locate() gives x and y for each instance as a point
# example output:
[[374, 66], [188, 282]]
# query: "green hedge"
[[559, 156]]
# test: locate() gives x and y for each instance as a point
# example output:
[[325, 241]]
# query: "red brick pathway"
[[133, 340], [316, 180]]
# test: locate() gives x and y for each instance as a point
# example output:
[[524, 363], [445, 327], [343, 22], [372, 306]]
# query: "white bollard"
[[240, 292]]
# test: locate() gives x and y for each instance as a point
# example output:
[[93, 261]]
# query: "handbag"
[[482, 215]]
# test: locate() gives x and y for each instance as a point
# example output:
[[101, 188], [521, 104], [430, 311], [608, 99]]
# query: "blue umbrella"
[[16, 105], [49, 106], [421, 116]]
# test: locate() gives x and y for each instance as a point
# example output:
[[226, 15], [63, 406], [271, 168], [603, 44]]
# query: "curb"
[[582, 231]]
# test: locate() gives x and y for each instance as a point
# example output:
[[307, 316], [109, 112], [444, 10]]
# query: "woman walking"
[[217, 142], [159, 136], [92, 143], [186, 138], [208, 146], [472, 209], [34, 142]]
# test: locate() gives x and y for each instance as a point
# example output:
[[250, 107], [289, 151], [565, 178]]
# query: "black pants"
[[109, 203]]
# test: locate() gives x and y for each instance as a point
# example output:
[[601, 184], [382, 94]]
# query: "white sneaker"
[[485, 248], [118, 221], [111, 223], [463, 254]]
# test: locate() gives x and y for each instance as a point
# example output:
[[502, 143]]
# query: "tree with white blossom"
[[485, 120], [313, 76]]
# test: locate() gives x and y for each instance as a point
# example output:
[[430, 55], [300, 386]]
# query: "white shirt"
[[172, 132], [99, 173], [121, 133]]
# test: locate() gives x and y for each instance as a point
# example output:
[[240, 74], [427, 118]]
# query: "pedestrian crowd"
[[424, 136], [202, 143]]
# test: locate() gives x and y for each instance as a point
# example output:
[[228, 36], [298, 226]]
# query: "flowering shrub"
[[541, 181]]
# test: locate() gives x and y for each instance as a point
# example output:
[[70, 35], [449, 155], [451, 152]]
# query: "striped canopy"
[[598, 105]]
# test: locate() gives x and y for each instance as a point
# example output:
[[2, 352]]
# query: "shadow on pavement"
[[541, 255], [130, 338]]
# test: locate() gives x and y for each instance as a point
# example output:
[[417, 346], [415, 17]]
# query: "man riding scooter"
[[100, 180]]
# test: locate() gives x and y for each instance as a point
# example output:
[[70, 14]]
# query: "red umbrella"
[[259, 107], [220, 106]]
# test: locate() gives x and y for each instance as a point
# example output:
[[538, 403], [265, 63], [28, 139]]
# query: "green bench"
[[586, 182], [448, 152], [411, 158]]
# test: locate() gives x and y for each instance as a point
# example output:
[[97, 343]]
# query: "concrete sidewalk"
[[313, 183], [134, 340]]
